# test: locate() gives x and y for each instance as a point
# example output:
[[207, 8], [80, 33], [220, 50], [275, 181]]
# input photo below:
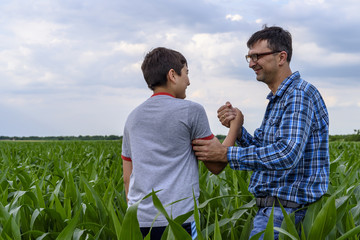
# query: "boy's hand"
[[226, 114], [239, 118]]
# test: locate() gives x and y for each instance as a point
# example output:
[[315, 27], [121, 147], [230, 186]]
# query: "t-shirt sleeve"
[[126, 150], [200, 128]]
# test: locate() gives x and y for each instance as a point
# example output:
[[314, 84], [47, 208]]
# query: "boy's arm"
[[235, 127], [127, 169], [215, 168]]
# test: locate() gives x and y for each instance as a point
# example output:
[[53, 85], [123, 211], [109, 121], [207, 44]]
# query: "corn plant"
[[74, 190]]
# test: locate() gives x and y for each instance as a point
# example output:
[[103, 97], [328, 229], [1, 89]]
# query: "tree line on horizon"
[[346, 137]]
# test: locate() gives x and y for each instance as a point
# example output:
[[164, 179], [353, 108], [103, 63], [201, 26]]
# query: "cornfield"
[[74, 190]]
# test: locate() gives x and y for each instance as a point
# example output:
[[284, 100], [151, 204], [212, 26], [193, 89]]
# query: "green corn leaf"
[[11, 229], [197, 219], [324, 221], [24, 177], [289, 225], [303, 235], [351, 233], [285, 233], [257, 236], [55, 217], [59, 208], [39, 196], [130, 229], [78, 233], [69, 230], [310, 216], [235, 216], [233, 234], [34, 216], [99, 204], [245, 233], [115, 219], [98, 234], [178, 231], [269, 230], [70, 190], [217, 234]]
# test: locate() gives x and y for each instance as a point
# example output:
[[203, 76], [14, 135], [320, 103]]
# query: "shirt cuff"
[[233, 157], [243, 140]]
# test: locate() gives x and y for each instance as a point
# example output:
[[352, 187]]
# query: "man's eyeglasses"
[[256, 56]]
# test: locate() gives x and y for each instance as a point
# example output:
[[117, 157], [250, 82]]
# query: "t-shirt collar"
[[162, 93]]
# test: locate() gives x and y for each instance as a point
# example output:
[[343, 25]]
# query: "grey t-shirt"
[[157, 138]]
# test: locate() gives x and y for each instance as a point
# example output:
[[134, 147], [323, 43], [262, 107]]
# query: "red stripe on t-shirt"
[[162, 93], [207, 138], [126, 158]]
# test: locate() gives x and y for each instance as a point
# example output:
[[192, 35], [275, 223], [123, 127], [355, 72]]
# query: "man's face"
[[265, 66]]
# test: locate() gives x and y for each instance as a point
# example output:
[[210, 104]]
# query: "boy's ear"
[[171, 76]]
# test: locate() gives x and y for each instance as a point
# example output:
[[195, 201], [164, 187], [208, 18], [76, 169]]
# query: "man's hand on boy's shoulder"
[[210, 150]]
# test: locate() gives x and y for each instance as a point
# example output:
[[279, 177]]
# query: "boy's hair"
[[158, 62], [278, 39]]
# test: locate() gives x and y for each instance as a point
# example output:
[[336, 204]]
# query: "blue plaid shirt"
[[289, 153]]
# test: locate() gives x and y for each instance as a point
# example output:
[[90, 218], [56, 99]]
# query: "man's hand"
[[226, 114], [210, 150]]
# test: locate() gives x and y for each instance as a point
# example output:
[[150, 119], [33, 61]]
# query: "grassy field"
[[74, 190]]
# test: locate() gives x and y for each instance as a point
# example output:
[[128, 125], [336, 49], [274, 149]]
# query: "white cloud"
[[38, 32], [215, 52], [132, 68], [234, 17], [336, 96], [129, 48], [312, 52], [314, 2]]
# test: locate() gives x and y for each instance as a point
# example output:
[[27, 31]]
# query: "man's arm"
[[287, 135], [127, 170], [212, 152]]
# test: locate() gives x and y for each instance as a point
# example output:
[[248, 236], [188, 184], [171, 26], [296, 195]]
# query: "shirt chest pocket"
[[273, 128], [274, 121]]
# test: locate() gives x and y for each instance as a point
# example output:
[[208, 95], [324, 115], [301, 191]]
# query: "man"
[[289, 153]]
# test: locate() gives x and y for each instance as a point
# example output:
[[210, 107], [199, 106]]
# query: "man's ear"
[[171, 76], [283, 58]]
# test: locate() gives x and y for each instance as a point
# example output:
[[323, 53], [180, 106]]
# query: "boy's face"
[[182, 82]]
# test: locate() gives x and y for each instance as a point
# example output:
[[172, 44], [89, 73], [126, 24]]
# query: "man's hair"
[[278, 39], [158, 62]]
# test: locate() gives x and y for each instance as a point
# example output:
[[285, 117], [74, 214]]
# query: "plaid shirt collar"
[[284, 85]]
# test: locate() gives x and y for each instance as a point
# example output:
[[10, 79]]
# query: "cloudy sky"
[[72, 67]]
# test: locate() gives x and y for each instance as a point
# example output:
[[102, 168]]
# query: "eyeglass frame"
[[258, 55]]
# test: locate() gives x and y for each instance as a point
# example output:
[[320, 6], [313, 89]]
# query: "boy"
[[157, 152]]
